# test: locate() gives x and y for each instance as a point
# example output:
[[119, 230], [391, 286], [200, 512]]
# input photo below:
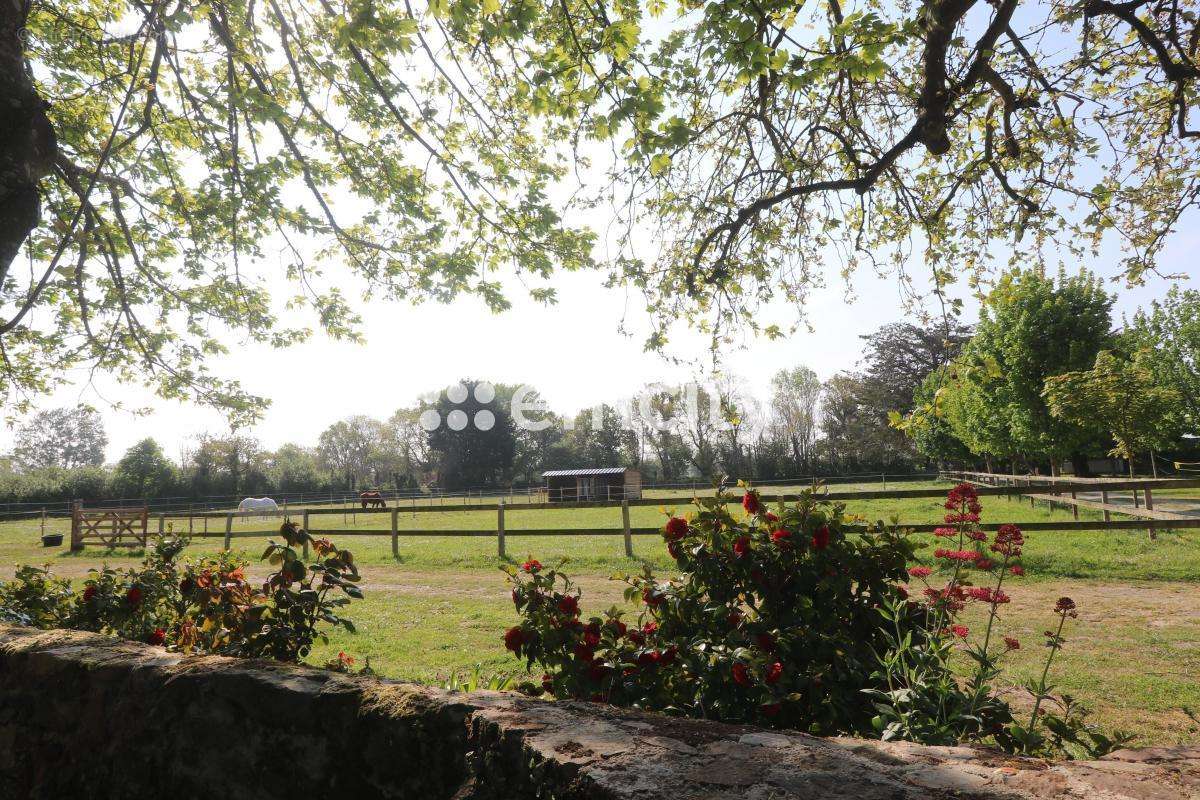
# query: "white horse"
[[263, 505]]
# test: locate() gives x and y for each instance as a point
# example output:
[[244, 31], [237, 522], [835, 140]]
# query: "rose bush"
[[774, 619], [202, 606], [780, 617]]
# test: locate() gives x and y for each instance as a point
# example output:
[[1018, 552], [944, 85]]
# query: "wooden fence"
[[1053, 490], [1057, 492]]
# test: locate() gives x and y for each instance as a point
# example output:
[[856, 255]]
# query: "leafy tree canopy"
[[156, 150], [472, 437], [1121, 396], [930, 429], [144, 471], [1031, 328], [60, 437], [1167, 341]]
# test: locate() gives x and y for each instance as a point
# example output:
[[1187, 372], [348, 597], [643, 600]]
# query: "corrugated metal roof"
[[566, 473]]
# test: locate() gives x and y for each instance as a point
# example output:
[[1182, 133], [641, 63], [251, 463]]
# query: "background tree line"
[[804, 426], [1045, 379]]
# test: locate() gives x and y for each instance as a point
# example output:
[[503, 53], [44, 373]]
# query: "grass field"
[[1133, 655]]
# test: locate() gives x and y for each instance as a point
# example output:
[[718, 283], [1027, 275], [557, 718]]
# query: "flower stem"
[[1054, 647]]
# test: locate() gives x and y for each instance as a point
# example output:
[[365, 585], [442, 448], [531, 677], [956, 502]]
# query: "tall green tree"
[[1031, 327], [293, 468], [473, 442], [60, 437], [1166, 338], [795, 394], [155, 151], [1121, 396], [928, 427], [900, 356], [144, 471], [349, 449]]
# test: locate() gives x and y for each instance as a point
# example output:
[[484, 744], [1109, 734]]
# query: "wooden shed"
[[597, 483]]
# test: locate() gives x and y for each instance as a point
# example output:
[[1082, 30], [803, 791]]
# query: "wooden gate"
[[109, 527]]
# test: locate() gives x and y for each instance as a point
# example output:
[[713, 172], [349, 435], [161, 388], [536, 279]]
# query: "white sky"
[[572, 352]]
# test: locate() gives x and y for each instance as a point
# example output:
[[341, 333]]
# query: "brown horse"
[[372, 500]]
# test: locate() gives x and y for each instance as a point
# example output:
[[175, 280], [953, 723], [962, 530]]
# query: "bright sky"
[[572, 352]]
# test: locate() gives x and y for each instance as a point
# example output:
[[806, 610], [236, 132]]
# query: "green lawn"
[[1132, 656]]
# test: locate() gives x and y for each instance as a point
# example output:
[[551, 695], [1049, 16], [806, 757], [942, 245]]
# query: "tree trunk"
[[1080, 462], [27, 142]]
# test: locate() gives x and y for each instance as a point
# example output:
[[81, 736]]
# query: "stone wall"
[[83, 715]]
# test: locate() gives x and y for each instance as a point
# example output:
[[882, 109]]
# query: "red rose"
[[774, 672], [766, 642], [960, 631], [741, 545], [513, 639], [649, 658], [668, 655], [650, 598], [676, 528], [158, 637], [585, 653], [1017, 569], [750, 502], [569, 605], [89, 593], [781, 537], [650, 627], [637, 638], [769, 517], [1011, 643], [134, 596], [532, 566], [618, 626], [820, 538], [591, 635], [741, 675], [769, 709]]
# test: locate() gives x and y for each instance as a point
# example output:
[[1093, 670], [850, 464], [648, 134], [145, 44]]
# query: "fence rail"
[[1053, 491], [219, 504], [1045, 488]]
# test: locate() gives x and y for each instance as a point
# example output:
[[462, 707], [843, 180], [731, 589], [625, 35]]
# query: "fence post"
[[1153, 530], [305, 552], [625, 525], [1104, 501], [162, 520], [395, 533], [500, 528], [1075, 506], [76, 533], [228, 529]]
